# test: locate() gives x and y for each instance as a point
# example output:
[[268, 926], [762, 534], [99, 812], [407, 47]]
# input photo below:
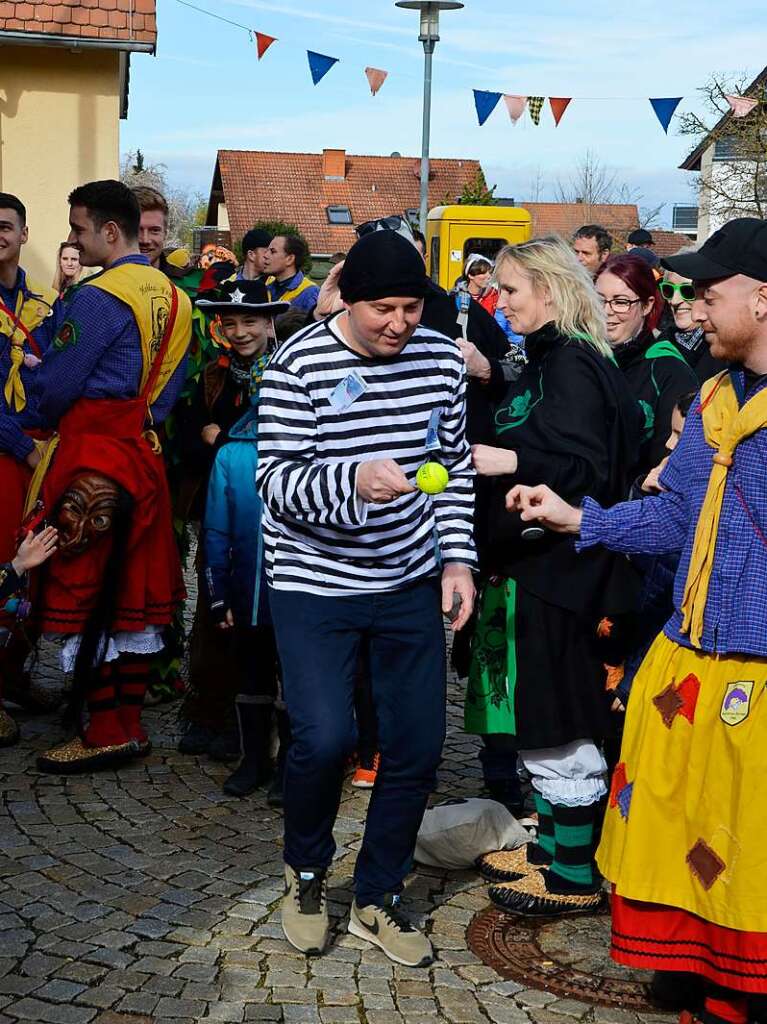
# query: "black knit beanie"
[[381, 265]]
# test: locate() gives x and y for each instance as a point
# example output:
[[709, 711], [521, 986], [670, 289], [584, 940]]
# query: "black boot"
[[275, 797], [255, 732]]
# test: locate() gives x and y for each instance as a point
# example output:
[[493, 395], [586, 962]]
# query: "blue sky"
[[206, 90]]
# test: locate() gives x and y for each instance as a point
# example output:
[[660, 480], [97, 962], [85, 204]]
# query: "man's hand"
[[381, 481], [490, 461], [329, 299], [210, 433], [457, 581], [228, 620], [652, 484], [33, 458], [35, 549], [540, 504], [476, 364]]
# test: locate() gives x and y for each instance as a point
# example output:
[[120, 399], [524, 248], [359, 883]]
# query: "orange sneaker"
[[365, 778]]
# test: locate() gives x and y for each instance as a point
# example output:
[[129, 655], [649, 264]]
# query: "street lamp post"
[[429, 36]]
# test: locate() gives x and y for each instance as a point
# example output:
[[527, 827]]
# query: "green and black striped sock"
[[573, 868], [543, 851]]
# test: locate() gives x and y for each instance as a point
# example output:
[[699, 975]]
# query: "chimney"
[[334, 164]]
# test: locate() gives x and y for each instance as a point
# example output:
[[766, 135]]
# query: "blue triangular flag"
[[485, 102], [319, 65], [664, 110]]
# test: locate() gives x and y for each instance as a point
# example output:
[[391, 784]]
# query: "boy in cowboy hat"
[[232, 546]]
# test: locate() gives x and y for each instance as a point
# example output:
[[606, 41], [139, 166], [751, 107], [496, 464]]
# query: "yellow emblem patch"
[[736, 704]]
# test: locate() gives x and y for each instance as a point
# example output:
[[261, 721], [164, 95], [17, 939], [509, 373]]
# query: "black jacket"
[[694, 347], [574, 425], [440, 314], [658, 376]]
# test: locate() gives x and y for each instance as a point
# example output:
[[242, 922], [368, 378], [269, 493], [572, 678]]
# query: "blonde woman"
[[537, 670], [68, 269]]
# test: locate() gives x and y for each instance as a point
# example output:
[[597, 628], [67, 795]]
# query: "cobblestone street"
[[147, 895]]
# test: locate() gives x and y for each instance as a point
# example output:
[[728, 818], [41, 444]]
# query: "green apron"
[[490, 692]]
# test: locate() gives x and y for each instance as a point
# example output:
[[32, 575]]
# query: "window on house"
[[339, 215], [684, 218], [487, 247], [727, 148]]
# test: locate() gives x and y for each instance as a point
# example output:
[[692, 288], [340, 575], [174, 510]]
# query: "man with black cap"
[[254, 245], [351, 409], [683, 841], [641, 238]]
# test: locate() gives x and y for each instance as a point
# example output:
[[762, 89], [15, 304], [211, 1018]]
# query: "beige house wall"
[[59, 127]]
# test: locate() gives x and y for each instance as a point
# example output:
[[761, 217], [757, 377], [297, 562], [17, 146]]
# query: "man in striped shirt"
[[350, 408]]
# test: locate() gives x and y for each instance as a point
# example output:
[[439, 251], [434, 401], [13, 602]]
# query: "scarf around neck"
[[725, 425]]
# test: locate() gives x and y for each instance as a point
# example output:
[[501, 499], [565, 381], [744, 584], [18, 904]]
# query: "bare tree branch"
[[184, 207]]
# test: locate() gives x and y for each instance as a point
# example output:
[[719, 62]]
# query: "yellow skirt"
[[686, 824]]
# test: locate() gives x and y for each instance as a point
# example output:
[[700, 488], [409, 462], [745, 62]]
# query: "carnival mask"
[[85, 513]]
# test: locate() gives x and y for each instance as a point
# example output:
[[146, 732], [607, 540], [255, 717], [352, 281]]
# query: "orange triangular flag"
[[263, 43], [376, 77], [559, 105]]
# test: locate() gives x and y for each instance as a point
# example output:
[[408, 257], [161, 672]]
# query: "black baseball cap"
[[640, 237], [740, 247], [256, 238]]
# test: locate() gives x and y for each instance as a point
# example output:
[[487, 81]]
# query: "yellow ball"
[[432, 478]]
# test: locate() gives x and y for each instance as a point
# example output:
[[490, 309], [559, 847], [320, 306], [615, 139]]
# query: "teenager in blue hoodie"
[[235, 583]]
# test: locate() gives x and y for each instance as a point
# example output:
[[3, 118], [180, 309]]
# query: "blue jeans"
[[319, 641]]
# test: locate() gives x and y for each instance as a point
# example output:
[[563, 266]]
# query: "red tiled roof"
[[669, 242], [565, 218], [124, 21], [291, 186]]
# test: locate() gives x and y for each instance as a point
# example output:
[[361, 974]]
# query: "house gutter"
[[74, 42]]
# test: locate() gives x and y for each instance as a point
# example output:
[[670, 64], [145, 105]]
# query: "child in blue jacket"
[[233, 570]]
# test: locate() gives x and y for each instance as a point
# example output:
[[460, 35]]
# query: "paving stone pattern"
[[146, 895]]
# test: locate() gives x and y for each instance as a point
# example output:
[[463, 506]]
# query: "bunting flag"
[[263, 42], [485, 102], [741, 106], [376, 78], [664, 110], [559, 105], [535, 106], [319, 65], [515, 106]]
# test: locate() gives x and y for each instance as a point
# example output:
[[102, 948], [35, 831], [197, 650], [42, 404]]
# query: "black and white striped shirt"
[[320, 536]]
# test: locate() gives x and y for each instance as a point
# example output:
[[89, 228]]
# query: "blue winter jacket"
[[232, 539]]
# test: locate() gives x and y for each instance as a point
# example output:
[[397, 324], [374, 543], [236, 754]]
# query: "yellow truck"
[[453, 232]]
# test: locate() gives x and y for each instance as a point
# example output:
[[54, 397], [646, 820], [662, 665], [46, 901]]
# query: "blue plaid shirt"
[[735, 620], [103, 361]]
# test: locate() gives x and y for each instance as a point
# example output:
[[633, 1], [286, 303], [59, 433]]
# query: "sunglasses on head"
[[393, 223], [685, 290]]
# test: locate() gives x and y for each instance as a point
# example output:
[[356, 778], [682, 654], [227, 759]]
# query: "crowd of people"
[[560, 461]]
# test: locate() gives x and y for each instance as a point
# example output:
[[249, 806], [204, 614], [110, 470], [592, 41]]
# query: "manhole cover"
[[568, 957]]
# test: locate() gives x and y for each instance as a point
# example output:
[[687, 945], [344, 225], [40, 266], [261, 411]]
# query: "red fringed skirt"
[[104, 436], [657, 938]]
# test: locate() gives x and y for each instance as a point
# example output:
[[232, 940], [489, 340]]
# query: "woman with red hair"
[[655, 370]]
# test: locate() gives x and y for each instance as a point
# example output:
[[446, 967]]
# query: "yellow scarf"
[[148, 293], [725, 425], [30, 311]]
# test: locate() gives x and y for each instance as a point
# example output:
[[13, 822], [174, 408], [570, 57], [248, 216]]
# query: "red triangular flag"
[[263, 42], [559, 105], [376, 78]]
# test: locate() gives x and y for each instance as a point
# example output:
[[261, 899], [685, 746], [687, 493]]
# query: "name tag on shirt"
[[347, 391], [432, 431]]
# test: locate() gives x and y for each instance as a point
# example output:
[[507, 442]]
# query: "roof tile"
[[259, 185], [85, 18]]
